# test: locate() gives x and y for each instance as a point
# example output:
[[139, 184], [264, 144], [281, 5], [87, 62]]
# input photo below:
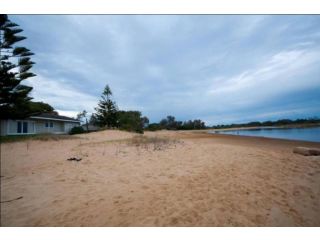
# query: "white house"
[[42, 123]]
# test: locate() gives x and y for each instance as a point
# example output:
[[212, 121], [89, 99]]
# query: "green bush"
[[130, 121], [154, 127], [76, 130]]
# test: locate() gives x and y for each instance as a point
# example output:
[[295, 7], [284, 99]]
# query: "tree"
[[15, 63], [145, 122], [154, 127], [106, 112], [131, 121], [40, 107], [83, 116], [163, 123], [170, 123], [171, 120], [93, 120]]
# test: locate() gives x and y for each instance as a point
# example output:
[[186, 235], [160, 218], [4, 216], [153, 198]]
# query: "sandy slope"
[[199, 180]]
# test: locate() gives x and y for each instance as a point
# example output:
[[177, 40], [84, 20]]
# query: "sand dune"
[[194, 179]]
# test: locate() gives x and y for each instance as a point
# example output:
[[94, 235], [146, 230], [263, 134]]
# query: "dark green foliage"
[[145, 121], [154, 127], [131, 121], [76, 130], [40, 107], [93, 120], [107, 115], [170, 123], [15, 64], [106, 112], [193, 125]]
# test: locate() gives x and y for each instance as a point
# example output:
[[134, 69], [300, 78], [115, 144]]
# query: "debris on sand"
[[74, 159], [12, 200], [307, 151]]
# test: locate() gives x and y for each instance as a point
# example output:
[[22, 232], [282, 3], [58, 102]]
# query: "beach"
[[166, 178]]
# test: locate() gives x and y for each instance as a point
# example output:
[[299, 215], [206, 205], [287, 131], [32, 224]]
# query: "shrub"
[[154, 127], [131, 121], [152, 143], [76, 130]]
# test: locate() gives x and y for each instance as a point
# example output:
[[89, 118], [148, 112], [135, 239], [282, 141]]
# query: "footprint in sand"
[[278, 218], [296, 193]]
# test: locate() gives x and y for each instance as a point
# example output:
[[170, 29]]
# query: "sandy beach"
[[166, 178]]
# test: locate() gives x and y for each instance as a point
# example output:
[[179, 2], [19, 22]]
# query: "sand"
[[195, 179]]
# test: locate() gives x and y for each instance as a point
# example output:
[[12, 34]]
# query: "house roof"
[[51, 116]]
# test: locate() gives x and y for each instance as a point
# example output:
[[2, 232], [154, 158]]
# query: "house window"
[[22, 127], [19, 127], [49, 124], [25, 127]]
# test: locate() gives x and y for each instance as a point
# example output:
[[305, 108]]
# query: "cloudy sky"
[[219, 68]]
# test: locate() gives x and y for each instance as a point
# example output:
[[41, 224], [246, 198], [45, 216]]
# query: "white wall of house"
[[17, 127], [35, 126], [69, 125], [49, 126], [3, 127]]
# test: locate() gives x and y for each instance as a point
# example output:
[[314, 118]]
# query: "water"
[[305, 134]]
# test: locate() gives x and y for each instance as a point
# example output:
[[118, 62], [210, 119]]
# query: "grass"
[[90, 144], [155, 143], [39, 137]]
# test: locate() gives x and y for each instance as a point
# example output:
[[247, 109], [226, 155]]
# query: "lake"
[[305, 134]]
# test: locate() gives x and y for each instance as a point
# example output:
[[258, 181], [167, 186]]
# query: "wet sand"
[[195, 179]]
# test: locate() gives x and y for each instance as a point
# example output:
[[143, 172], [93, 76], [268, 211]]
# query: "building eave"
[[54, 119]]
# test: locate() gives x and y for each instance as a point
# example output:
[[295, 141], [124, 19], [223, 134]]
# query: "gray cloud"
[[218, 68]]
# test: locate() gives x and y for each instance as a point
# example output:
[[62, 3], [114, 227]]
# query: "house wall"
[[69, 125], [9, 127], [3, 127], [58, 126]]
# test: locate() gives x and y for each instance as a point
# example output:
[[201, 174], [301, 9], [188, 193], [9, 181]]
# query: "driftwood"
[[12, 200], [74, 159], [307, 151]]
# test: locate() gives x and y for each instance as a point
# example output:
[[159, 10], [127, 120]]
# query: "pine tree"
[[15, 63], [106, 112]]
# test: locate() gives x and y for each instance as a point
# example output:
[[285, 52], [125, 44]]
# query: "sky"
[[218, 68]]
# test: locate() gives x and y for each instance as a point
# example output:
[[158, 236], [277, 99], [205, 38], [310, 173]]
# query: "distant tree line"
[[107, 115], [170, 123], [281, 122]]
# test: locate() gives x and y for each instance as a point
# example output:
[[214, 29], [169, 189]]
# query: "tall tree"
[[15, 63], [106, 112]]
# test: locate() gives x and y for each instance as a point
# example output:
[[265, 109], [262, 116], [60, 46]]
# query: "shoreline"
[[269, 127], [251, 140], [239, 132]]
